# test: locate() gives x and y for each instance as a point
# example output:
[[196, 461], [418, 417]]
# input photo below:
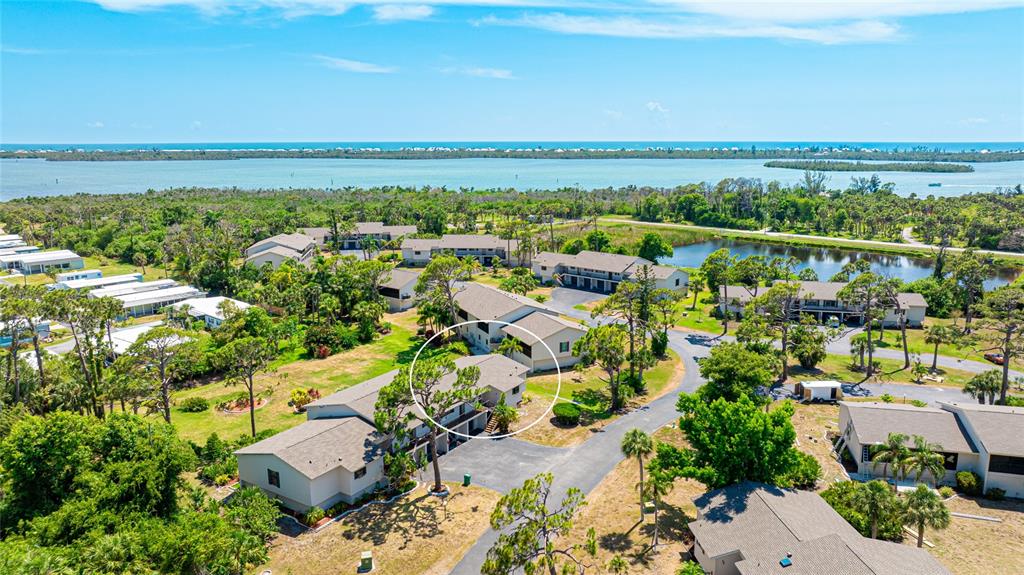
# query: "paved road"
[[781, 235], [504, 464]]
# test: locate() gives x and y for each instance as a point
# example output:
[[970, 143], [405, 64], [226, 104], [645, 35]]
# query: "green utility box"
[[466, 480]]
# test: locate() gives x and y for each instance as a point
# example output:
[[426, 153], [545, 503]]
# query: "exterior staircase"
[[492, 425]]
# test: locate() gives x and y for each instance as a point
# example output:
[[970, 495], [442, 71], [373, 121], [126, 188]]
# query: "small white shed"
[[819, 390]]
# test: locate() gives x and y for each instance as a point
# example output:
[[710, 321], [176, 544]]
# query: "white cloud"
[[195, 125], [827, 10], [630, 27], [974, 121], [612, 114], [657, 107], [94, 125], [353, 65], [493, 73], [396, 12]]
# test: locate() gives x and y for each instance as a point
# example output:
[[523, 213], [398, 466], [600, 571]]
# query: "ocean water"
[[22, 178]]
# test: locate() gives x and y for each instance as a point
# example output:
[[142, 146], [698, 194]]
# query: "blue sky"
[[109, 71]]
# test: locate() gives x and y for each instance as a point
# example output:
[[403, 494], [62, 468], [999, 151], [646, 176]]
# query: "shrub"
[[299, 399], [918, 403], [886, 398], [996, 494], [968, 482], [840, 496], [314, 515], [566, 413], [946, 491], [805, 473], [659, 344], [195, 404], [540, 298], [222, 480], [321, 339]]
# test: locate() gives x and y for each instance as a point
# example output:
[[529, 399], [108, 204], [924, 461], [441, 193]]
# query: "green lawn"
[[839, 368], [326, 375], [890, 339], [106, 265], [587, 386]]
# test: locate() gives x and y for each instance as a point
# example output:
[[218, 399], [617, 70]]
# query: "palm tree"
[[858, 346], [983, 385], [638, 444], [618, 565], [923, 457], [509, 346], [892, 452], [937, 335], [925, 508], [875, 500], [657, 486]]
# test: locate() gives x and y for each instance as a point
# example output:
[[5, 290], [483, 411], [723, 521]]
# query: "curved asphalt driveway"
[[504, 464]]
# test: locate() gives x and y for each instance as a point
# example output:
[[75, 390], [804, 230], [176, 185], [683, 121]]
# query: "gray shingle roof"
[[297, 242], [486, 302], [321, 445], [496, 371], [282, 251], [764, 523], [380, 228], [460, 241], [604, 261], [999, 428], [540, 324], [401, 277], [873, 422]]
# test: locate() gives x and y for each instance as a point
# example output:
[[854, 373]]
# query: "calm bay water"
[[23, 178], [825, 261]]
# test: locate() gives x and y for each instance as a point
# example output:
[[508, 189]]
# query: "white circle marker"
[[412, 370]]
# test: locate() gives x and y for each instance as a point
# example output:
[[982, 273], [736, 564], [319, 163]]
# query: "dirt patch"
[[972, 546], [812, 423], [418, 534], [613, 509]]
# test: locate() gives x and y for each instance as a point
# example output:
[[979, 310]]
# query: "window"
[[462, 314], [544, 268], [677, 281], [273, 478], [515, 390], [360, 472], [950, 460], [563, 347], [1006, 464], [865, 454], [482, 326]]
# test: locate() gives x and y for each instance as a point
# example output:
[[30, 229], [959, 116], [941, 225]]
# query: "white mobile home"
[[39, 262], [79, 275], [150, 302], [132, 287], [100, 282], [210, 309]]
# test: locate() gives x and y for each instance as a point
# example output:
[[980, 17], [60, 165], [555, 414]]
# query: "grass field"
[[107, 266], [326, 375], [839, 367], [975, 547], [586, 388], [415, 535], [891, 339]]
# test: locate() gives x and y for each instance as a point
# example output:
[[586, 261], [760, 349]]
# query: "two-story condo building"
[[603, 272], [337, 454], [487, 249], [353, 240], [400, 289], [985, 439], [276, 249], [821, 300], [480, 304]]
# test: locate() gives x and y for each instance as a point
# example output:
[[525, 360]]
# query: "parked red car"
[[996, 358]]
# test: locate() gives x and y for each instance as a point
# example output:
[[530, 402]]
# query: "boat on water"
[[935, 185]]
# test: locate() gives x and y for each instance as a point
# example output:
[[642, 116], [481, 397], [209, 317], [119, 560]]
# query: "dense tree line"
[[836, 166]]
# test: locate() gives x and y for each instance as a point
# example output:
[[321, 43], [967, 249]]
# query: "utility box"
[[365, 562], [466, 480]]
